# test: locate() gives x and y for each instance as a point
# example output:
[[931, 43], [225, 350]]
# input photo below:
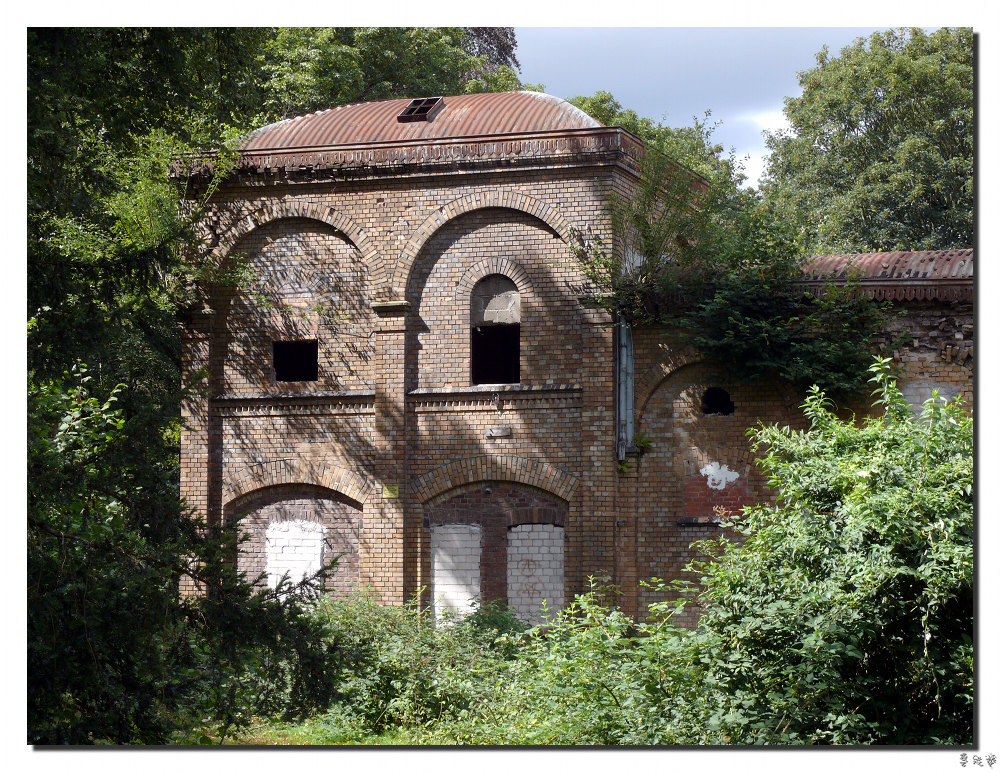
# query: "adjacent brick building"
[[408, 374]]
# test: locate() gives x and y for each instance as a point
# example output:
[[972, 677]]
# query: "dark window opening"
[[419, 110], [495, 353], [296, 360], [716, 401]]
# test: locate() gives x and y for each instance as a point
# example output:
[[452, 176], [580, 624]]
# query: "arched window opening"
[[716, 401], [495, 340]]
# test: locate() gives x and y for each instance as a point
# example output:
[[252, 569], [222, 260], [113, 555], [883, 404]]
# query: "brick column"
[[590, 524], [387, 545], [195, 348]]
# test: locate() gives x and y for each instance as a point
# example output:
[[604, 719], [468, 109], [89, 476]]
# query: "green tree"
[[315, 68], [692, 146], [710, 260], [114, 653], [879, 155]]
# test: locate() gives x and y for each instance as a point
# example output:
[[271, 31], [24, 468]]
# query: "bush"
[[846, 614], [841, 615], [398, 666]]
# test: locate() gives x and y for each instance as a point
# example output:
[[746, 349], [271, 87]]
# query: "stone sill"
[[699, 522], [492, 388]]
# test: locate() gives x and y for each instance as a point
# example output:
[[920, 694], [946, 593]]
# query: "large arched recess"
[[298, 527], [700, 461], [308, 210], [483, 241], [305, 280], [513, 200], [496, 540]]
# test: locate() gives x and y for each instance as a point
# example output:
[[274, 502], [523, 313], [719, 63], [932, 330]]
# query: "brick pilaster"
[[387, 542]]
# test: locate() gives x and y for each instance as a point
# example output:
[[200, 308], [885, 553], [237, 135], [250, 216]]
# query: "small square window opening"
[[295, 360]]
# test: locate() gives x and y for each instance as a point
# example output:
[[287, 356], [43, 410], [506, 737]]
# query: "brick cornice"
[[602, 145]]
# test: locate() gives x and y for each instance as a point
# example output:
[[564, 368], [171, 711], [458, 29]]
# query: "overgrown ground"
[[842, 615]]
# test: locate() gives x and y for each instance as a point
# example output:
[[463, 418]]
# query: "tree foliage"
[[879, 155], [709, 259], [313, 68], [846, 614], [114, 653], [693, 145]]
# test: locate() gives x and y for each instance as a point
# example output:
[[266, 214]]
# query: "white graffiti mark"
[[718, 477]]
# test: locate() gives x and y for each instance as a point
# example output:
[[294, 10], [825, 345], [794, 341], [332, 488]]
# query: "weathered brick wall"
[[696, 462], [939, 354], [699, 462], [317, 257], [380, 271], [289, 504], [303, 280]]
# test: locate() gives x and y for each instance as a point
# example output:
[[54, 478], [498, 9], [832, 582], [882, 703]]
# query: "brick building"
[[408, 376]]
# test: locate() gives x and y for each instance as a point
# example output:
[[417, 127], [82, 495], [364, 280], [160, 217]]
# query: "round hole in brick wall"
[[716, 401]]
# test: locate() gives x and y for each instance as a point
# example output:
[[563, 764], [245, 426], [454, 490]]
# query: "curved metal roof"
[[895, 266], [466, 115]]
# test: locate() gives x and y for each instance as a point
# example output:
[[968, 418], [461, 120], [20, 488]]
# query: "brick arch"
[[527, 471], [552, 512], [308, 210], [258, 498], [288, 503], [493, 200], [492, 265], [651, 380], [290, 471]]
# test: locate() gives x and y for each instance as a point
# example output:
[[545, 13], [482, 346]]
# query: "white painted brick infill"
[[295, 548], [455, 554], [534, 570]]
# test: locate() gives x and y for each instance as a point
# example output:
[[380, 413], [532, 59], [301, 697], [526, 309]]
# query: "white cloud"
[[753, 168], [770, 120], [756, 157]]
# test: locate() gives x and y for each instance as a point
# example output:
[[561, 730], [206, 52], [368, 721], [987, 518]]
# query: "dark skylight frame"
[[420, 109]]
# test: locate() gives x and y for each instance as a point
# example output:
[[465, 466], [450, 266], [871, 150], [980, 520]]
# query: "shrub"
[[399, 666], [842, 614]]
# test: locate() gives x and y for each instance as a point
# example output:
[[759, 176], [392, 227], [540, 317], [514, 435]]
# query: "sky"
[[741, 74]]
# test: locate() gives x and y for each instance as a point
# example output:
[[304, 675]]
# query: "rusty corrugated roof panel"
[[930, 275], [466, 115]]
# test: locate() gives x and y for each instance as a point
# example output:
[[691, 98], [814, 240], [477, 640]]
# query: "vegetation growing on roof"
[[710, 260]]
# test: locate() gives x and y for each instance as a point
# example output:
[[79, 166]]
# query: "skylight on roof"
[[420, 109]]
